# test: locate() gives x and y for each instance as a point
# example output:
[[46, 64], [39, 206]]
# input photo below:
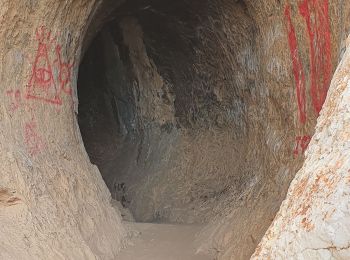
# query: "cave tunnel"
[[188, 129], [185, 117], [153, 90]]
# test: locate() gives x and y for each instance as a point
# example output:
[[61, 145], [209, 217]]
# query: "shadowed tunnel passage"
[[186, 126], [197, 113], [154, 88]]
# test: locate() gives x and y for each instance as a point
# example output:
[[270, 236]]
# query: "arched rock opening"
[[186, 109], [203, 111], [155, 90]]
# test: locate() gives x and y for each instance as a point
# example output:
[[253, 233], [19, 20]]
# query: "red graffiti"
[[315, 13], [42, 84], [65, 72], [298, 72], [16, 99], [32, 140], [302, 142]]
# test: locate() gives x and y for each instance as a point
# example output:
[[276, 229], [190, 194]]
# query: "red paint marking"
[[316, 15], [33, 141], [302, 142], [16, 99], [44, 35], [65, 72], [42, 84], [305, 141], [298, 71]]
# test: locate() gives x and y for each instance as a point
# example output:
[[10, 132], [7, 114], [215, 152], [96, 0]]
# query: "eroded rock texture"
[[313, 221], [194, 111], [53, 202], [215, 103]]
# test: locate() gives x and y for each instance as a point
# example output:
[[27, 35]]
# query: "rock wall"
[[215, 103], [223, 98], [313, 221], [53, 202]]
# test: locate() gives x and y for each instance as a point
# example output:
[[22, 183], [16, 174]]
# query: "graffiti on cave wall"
[[301, 144], [16, 99], [50, 79], [32, 139], [44, 84], [315, 14]]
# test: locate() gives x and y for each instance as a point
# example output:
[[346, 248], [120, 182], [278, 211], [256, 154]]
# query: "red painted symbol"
[[42, 84], [302, 142], [65, 72], [32, 140]]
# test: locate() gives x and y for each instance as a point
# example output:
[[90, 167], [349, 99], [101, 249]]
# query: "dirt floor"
[[163, 242]]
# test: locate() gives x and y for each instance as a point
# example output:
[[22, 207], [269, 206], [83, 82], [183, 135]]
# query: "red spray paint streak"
[[302, 142], [316, 15], [298, 71]]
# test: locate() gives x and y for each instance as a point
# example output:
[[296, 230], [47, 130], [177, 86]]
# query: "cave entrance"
[[175, 110], [152, 90], [156, 84]]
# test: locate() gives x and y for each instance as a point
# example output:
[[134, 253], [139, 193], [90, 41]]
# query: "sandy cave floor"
[[163, 242]]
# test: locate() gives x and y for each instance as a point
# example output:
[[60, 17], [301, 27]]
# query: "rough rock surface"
[[313, 222], [53, 202], [215, 102], [194, 111]]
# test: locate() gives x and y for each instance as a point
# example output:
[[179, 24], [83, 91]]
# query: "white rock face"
[[314, 220]]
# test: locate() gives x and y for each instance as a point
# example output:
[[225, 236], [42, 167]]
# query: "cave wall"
[[219, 128], [313, 221], [226, 96], [53, 202]]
